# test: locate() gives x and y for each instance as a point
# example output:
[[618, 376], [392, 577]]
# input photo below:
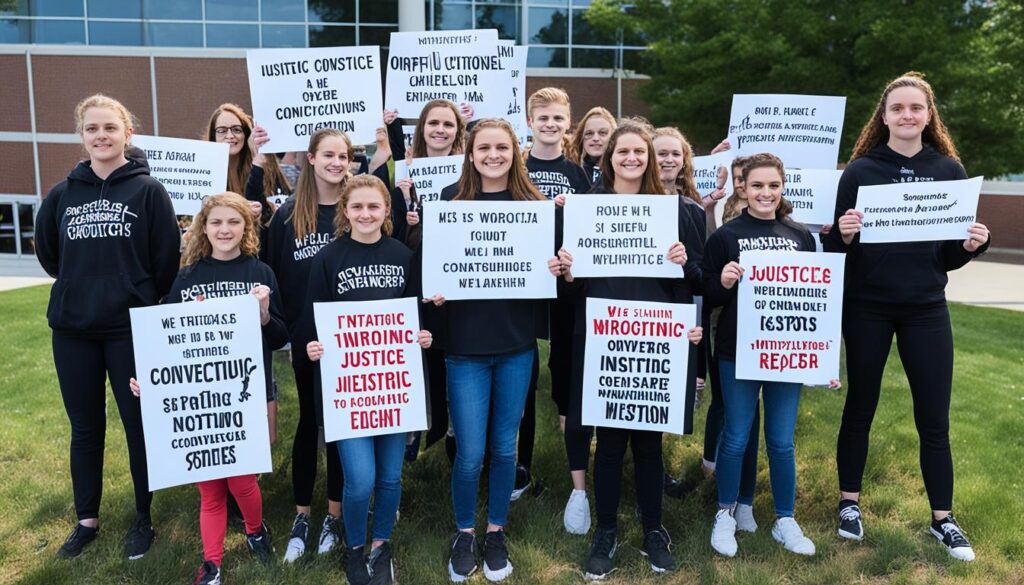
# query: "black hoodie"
[[111, 244], [906, 273]]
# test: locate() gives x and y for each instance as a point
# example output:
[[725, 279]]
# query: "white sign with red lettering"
[[790, 309]]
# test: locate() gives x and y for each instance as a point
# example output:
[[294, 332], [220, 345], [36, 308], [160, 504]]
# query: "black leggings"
[[83, 365], [647, 473], [437, 380], [528, 424], [307, 437], [924, 339]]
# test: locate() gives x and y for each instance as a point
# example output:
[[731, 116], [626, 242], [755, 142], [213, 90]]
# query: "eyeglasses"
[[223, 130]]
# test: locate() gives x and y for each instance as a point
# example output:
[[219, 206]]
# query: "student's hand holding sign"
[[677, 253], [850, 224], [731, 274], [977, 236], [565, 261]]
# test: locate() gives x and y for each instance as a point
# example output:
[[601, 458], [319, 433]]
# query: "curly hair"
[[576, 151], [518, 179], [341, 223], [684, 184], [197, 245]]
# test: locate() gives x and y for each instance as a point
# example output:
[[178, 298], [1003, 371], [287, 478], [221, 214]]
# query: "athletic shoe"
[[462, 562], [330, 535], [723, 534], [523, 482], [496, 563], [787, 532], [139, 538], [602, 548], [657, 549], [952, 537], [79, 538], [850, 526], [744, 516], [209, 574], [412, 450], [356, 570], [671, 486], [259, 543], [297, 540], [576, 518], [382, 567]]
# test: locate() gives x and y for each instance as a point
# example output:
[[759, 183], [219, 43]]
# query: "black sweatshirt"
[[254, 192], [724, 245], [214, 279], [557, 176], [111, 244], [592, 168], [909, 273]]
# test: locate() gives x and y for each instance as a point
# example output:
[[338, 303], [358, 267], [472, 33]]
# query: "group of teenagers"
[[110, 237]]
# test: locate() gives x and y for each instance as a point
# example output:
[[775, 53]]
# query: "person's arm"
[[47, 232], [254, 185], [716, 256], [692, 234], [164, 239], [957, 253], [846, 199], [270, 251], [381, 155], [396, 137], [275, 332], [317, 291]]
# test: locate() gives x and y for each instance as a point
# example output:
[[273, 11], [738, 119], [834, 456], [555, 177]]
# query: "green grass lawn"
[[36, 506]]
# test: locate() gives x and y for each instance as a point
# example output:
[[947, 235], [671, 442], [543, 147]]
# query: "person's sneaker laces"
[[382, 569], [139, 538], [297, 540], [79, 538], [850, 526], [952, 537], [259, 543], [744, 515], [495, 554], [523, 482], [356, 570], [576, 517], [330, 535], [462, 562], [657, 548], [209, 574], [723, 534], [787, 532], [602, 548]]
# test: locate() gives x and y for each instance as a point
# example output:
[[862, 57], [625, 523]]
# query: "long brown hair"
[[769, 160], [341, 223], [419, 141], [518, 179], [304, 213], [576, 152], [684, 184], [650, 184], [240, 165], [197, 245], [875, 132]]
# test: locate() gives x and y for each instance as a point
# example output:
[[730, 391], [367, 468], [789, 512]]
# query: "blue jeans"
[[371, 465], [477, 386], [781, 402]]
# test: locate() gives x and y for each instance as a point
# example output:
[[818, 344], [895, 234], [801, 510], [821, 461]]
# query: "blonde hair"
[[98, 100], [341, 223], [684, 184], [576, 151], [198, 246], [518, 179], [304, 213], [650, 183], [548, 96]]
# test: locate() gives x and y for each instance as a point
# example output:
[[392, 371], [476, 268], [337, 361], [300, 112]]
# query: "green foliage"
[[701, 52]]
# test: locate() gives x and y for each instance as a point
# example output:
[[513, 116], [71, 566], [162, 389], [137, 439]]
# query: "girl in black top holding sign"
[[899, 288]]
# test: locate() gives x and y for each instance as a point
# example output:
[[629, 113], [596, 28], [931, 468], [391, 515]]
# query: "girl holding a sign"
[[590, 140], [899, 288], [109, 236]]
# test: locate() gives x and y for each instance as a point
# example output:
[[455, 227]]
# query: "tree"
[[701, 52]]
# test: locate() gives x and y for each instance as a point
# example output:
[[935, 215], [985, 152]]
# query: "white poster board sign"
[[430, 175], [514, 58], [190, 170], [710, 170], [918, 212], [296, 92], [488, 249], [372, 368], [203, 390], [803, 130], [813, 194], [635, 365], [790, 305], [621, 235], [461, 66]]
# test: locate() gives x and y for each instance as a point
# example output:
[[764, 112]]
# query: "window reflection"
[[283, 11], [167, 34], [281, 36], [547, 57], [232, 10], [548, 26], [331, 11], [243, 36], [332, 36], [115, 33]]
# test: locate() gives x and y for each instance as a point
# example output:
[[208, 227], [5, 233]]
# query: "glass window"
[[174, 34], [231, 10], [282, 11], [376, 35], [332, 11], [8, 237], [581, 2], [15, 31], [547, 57], [502, 18], [448, 16], [113, 9], [115, 33], [50, 7], [27, 218], [332, 36], [382, 11], [598, 58], [281, 35], [177, 10], [633, 59], [233, 35], [60, 32], [584, 34], [548, 26]]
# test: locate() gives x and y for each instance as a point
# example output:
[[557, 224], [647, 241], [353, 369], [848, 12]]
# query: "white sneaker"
[[949, 533], [576, 518], [787, 532], [744, 516], [723, 534], [297, 541], [330, 534]]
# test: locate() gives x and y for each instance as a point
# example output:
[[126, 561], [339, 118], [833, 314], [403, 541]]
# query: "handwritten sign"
[[802, 130], [190, 170], [813, 194], [918, 212], [430, 175], [710, 170], [514, 59]]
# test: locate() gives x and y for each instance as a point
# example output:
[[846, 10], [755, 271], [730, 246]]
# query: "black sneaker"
[[599, 565], [412, 450], [139, 538], [496, 563], [209, 574], [382, 569], [259, 543], [462, 562], [79, 538], [952, 537], [523, 482], [657, 549], [355, 566], [850, 526], [297, 540], [672, 487]]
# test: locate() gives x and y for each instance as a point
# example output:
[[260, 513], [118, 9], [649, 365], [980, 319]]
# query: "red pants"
[[213, 511]]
